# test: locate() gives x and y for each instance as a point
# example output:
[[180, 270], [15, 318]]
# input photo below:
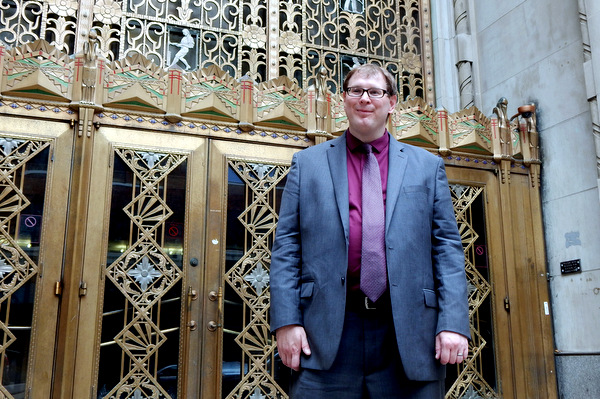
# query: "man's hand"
[[451, 348], [290, 341]]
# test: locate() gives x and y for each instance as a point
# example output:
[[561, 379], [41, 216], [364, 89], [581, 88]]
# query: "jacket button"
[[343, 280]]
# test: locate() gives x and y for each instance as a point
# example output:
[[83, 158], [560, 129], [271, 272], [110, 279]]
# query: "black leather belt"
[[358, 302]]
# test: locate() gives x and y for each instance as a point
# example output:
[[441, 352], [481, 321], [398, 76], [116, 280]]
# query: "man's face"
[[367, 116]]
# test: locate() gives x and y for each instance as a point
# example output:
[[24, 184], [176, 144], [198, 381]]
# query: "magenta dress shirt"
[[356, 158]]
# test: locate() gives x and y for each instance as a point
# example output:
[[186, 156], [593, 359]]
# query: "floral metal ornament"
[[260, 169], [8, 144], [257, 394], [254, 36], [107, 11], [259, 278], [411, 62], [64, 8], [471, 393], [291, 42], [144, 273], [151, 158], [4, 268]]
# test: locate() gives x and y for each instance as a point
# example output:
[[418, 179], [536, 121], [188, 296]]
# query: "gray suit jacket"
[[425, 258]]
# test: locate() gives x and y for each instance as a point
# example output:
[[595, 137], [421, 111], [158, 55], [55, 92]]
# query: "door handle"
[[212, 326], [192, 295], [216, 296]]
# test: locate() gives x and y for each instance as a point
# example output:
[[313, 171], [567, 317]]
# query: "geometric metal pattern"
[[469, 132], [471, 383], [27, 21], [284, 95], [17, 268], [255, 38], [144, 273], [249, 278], [417, 123]]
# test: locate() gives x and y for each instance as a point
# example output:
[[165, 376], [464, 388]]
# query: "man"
[[187, 42], [341, 341]]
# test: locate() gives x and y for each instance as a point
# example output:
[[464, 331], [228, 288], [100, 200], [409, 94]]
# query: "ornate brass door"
[[246, 183], [35, 161], [161, 292], [510, 355], [142, 293]]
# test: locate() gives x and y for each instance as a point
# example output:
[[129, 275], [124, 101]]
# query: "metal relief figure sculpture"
[[186, 43], [321, 99], [533, 137], [355, 6], [90, 70], [504, 126], [527, 112]]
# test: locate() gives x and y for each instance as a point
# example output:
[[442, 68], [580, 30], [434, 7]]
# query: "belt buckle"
[[367, 307]]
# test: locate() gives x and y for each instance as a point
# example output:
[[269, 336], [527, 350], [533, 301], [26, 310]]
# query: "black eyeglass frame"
[[365, 90]]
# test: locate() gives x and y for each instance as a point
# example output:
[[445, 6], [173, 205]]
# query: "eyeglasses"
[[359, 91]]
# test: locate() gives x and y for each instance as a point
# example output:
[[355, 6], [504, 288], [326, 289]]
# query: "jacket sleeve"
[[285, 270], [448, 261]]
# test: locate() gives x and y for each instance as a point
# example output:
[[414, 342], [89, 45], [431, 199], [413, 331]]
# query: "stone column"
[[464, 62], [589, 10]]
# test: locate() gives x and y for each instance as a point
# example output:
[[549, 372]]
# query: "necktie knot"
[[367, 148]]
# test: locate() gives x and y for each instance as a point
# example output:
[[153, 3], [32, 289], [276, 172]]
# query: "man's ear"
[[393, 102]]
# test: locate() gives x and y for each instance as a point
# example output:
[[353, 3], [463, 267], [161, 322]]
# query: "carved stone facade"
[[261, 40]]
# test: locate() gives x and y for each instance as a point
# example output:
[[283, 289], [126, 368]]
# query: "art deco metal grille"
[[475, 378], [259, 39], [141, 316], [23, 170], [258, 187]]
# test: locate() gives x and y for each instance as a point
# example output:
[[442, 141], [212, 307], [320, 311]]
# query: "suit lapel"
[[396, 170], [336, 155]]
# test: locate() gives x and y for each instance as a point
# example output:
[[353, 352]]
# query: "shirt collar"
[[378, 145]]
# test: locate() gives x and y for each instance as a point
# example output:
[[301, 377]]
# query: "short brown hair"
[[370, 70]]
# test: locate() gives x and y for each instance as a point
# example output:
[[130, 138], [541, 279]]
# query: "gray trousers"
[[367, 366]]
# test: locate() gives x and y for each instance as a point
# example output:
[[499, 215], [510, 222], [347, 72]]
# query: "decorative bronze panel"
[[140, 349], [476, 377], [23, 172], [251, 367]]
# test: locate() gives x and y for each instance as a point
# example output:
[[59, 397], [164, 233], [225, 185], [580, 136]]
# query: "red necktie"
[[373, 276]]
